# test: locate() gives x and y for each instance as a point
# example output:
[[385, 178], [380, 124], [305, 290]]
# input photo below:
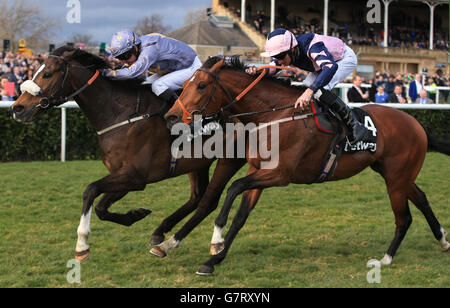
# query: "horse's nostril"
[[172, 119], [18, 109]]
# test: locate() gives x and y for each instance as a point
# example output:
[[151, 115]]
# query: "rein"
[[188, 116], [50, 101]]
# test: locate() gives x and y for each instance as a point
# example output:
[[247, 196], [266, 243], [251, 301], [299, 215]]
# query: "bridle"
[[51, 101], [188, 116]]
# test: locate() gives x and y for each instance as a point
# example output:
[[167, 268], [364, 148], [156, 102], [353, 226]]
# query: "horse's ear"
[[215, 69], [67, 55]]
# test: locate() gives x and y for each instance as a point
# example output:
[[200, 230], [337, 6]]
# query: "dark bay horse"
[[135, 153], [401, 148]]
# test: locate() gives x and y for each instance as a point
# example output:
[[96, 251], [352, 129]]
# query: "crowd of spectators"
[[399, 88], [384, 87], [17, 68], [14, 70], [360, 34]]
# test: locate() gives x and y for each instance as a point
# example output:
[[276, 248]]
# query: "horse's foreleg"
[[84, 230], [114, 187], [255, 182], [419, 199], [118, 185], [250, 198], [217, 241], [199, 183], [128, 219], [222, 174]]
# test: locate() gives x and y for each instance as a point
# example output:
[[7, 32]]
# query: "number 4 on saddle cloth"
[[329, 123]]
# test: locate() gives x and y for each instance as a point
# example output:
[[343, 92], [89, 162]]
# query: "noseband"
[[188, 117]]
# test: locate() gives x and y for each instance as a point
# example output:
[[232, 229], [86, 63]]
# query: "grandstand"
[[410, 41]]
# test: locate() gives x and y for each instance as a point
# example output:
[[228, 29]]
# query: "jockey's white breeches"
[[173, 81]]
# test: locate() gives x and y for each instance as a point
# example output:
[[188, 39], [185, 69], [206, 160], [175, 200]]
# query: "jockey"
[[329, 62], [172, 62]]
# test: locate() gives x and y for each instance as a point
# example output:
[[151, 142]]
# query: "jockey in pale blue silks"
[[172, 62]]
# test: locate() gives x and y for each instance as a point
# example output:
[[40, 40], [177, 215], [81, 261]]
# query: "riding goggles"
[[126, 55]]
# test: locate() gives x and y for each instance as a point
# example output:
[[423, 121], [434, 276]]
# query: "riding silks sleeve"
[[135, 70], [324, 63]]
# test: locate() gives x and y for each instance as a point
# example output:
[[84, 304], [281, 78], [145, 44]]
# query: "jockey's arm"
[[252, 70], [328, 67], [135, 70]]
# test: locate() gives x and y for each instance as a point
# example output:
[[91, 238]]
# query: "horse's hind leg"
[[419, 199], [403, 220], [199, 183]]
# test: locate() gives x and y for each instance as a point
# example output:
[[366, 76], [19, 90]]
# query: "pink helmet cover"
[[279, 41]]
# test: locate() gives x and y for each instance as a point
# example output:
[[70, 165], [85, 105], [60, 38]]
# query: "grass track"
[[299, 236]]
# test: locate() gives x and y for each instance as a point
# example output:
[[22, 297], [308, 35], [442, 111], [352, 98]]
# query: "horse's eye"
[[201, 86], [47, 75]]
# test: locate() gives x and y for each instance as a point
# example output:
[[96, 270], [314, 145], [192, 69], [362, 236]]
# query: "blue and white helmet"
[[123, 41]]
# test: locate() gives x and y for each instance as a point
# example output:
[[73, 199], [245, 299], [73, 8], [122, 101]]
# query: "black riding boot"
[[357, 130], [170, 97]]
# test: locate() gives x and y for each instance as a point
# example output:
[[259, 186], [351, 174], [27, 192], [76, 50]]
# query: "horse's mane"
[[235, 64], [95, 62]]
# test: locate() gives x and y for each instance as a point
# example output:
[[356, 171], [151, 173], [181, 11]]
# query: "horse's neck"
[[265, 95], [101, 107]]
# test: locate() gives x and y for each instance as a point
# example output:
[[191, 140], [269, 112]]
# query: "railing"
[[343, 86]]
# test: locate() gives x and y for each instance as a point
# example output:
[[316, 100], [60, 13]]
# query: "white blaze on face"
[[39, 71]]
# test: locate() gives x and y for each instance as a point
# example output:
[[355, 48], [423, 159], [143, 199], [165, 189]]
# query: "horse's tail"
[[438, 145]]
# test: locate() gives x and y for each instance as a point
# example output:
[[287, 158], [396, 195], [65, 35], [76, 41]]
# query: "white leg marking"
[[444, 244], [387, 260], [217, 235], [170, 244], [83, 232]]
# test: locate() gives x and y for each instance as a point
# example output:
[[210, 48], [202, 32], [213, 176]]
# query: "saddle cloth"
[[328, 123]]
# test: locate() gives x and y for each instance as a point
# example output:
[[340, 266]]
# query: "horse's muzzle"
[[171, 120], [20, 113]]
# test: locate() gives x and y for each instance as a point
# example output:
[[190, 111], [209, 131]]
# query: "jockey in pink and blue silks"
[[329, 62], [172, 62]]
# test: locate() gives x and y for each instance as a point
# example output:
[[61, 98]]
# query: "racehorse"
[[400, 148], [133, 138]]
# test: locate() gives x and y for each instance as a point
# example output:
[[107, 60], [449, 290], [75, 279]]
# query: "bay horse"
[[401, 148], [133, 138]]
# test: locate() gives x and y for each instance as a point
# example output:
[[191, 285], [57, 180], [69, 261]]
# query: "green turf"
[[298, 236]]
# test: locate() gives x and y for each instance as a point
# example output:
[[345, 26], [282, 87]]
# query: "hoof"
[[216, 248], [157, 251], [82, 255], [156, 240], [205, 270], [143, 212]]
